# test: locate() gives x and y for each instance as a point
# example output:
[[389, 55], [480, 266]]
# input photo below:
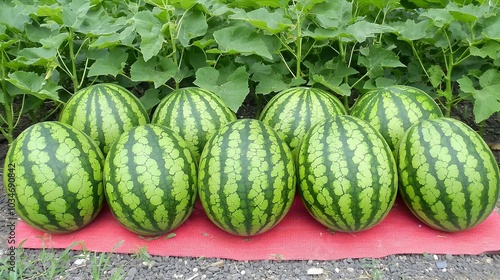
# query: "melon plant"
[[347, 174], [53, 174], [150, 177], [246, 178], [104, 111], [392, 110], [193, 113], [448, 175], [294, 111]]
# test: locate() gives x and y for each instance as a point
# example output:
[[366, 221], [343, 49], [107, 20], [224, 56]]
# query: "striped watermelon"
[[53, 172], [347, 174], [392, 110], [193, 113], [294, 111], [448, 176], [104, 112], [246, 178], [150, 179]]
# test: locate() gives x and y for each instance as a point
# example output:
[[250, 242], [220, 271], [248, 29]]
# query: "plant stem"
[[73, 75], [172, 40]]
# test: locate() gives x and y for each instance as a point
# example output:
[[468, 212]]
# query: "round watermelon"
[[294, 111], [246, 178], [347, 174], [448, 175], [104, 112], [193, 113], [150, 179], [53, 175], [392, 110]]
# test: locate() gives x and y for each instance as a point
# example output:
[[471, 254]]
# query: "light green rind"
[[193, 113], [104, 112], [392, 110], [150, 177], [448, 175], [55, 174], [294, 111], [246, 178], [347, 174]]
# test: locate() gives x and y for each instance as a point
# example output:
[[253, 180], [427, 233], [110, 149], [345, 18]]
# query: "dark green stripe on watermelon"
[[294, 111], [58, 177], [449, 177], [104, 112], [246, 178], [150, 180], [193, 113], [394, 109], [347, 174]]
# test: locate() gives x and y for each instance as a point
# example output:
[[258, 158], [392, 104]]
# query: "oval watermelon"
[[392, 110], [448, 175], [150, 179], [193, 113], [347, 174], [246, 178], [55, 177], [294, 111], [104, 112]]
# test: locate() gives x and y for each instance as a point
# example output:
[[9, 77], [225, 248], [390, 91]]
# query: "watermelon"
[[193, 113], [448, 175], [246, 178], [104, 112], [294, 111], [392, 110], [53, 174], [347, 174], [150, 177]]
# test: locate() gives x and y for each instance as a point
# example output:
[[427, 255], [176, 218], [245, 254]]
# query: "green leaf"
[[438, 17], [2, 98], [125, 37], [334, 84], [486, 99], [333, 14], [436, 75], [230, 84], [158, 70], [150, 98], [492, 27], [411, 31], [36, 56], [363, 29], [375, 58], [269, 78], [75, 12], [33, 84], [273, 22], [490, 49], [241, 39], [149, 28], [487, 102], [15, 16], [194, 24], [111, 63]]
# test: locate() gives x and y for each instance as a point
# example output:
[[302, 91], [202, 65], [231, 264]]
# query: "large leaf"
[[158, 70], [33, 84], [14, 16], [241, 39], [262, 18], [487, 98], [75, 12], [111, 63], [375, 58], [230, 84], [194, 24], [149, 28]]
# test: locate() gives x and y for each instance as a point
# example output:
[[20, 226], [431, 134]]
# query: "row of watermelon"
[[247, 172]]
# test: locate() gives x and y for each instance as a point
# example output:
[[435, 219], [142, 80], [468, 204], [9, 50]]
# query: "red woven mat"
[[297, 237]]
